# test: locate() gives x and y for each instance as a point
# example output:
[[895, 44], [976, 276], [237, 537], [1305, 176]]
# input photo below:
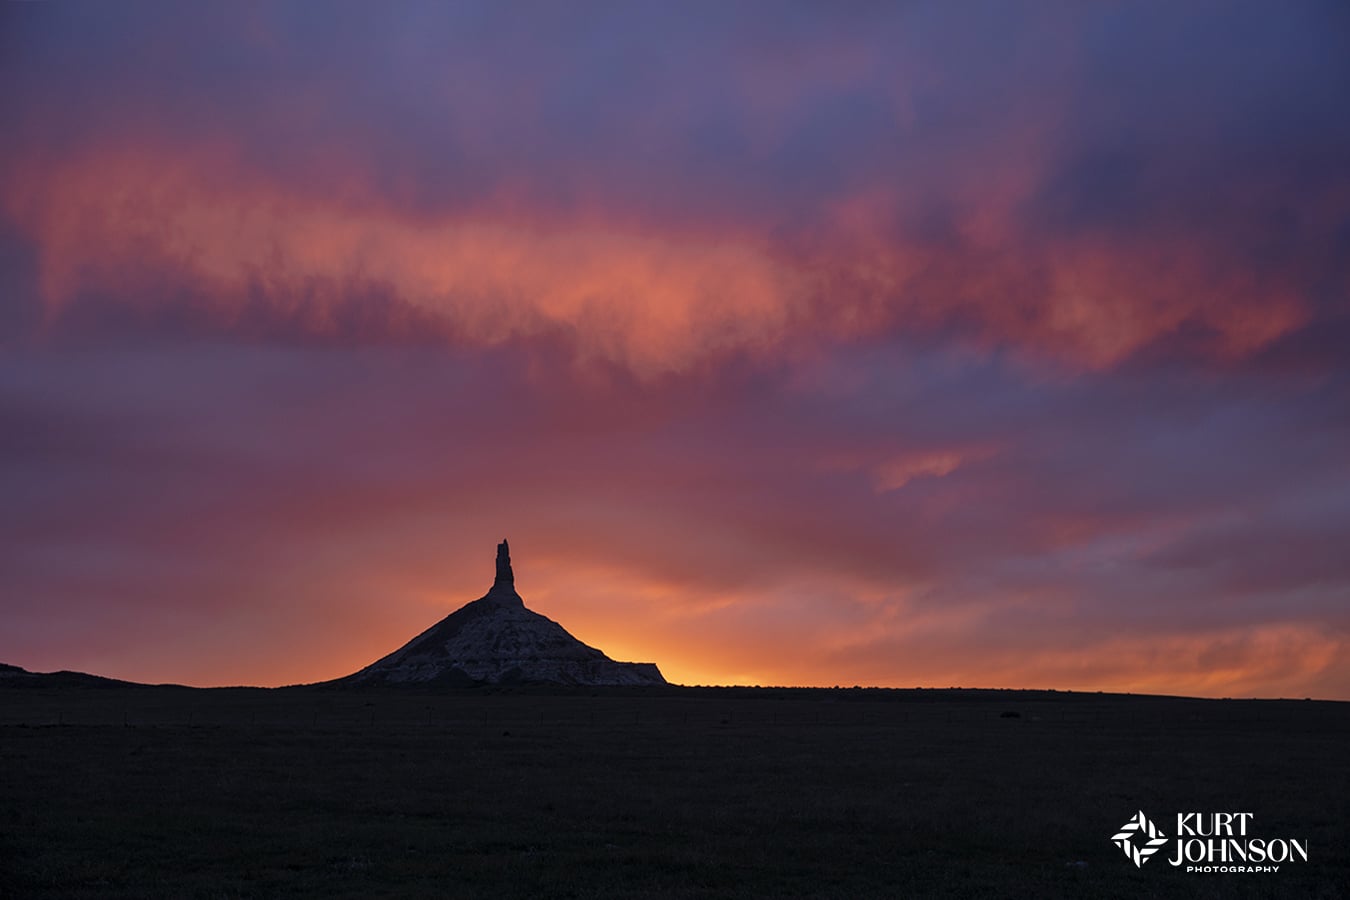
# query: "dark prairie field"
[[676, 793]]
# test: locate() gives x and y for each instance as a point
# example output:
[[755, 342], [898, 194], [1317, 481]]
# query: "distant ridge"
[[497, 640], [16, 677]]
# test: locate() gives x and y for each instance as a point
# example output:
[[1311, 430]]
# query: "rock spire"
[[496, 639], [504, 573]]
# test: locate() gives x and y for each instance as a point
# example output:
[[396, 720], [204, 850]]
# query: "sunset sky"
[[1000, 345]]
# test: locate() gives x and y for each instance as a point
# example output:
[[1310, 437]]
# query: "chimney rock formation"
[[497, 640]]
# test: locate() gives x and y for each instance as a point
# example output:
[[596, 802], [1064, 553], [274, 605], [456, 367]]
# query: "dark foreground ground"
[[123, 792]]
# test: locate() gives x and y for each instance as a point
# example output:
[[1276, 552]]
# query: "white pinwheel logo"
[[1139, 825]]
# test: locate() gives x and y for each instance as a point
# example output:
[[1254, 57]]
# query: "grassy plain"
[[169, 792]]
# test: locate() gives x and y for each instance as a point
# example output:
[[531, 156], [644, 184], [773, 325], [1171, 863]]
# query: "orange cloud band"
[[654, 298]]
